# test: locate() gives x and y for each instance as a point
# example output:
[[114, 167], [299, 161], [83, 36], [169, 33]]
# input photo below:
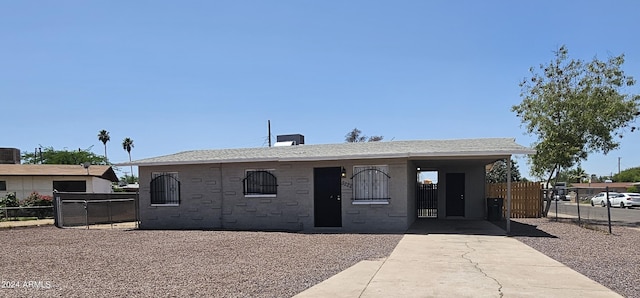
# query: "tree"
[[498, 172], [573, 175], [63, 157], [128, 179], [628, 175], [127, 145], [575, 108], [356, 136], [103, 136]]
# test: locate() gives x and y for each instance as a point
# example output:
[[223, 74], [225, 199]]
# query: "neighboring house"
[[23, 179], [589, 189], [348, 187]]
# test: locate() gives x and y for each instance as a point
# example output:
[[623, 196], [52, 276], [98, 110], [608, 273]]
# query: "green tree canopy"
[[575, 108], [498, 172], [628, 175], [356, 135], [63, 157]]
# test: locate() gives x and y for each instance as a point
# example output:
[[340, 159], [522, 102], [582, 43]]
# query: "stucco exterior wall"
[[23, 186], [211, 197], [474, 189], [412, 185], [99, 185]]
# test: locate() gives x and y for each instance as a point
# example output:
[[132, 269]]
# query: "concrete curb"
[[26, 223]]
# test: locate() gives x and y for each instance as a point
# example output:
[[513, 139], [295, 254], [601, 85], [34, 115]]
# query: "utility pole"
[[619, 165], [269, 128]]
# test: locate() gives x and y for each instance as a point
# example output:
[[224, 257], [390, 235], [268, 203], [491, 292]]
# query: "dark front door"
[[455, 194], [327, 210]]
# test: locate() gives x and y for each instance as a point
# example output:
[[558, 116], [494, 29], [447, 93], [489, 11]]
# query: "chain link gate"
[[97, 210]]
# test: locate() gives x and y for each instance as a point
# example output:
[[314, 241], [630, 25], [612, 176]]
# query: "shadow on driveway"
[[474, 227], [522, 229]]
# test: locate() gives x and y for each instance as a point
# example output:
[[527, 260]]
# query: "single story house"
[[591, 189], [23, 179], [347, 187]]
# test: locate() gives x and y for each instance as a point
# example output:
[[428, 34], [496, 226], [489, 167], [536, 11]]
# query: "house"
[[23, 179], [591, 189], [347, 187]]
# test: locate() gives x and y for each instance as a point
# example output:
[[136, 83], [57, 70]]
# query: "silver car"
[[625, 199], [601, 198]]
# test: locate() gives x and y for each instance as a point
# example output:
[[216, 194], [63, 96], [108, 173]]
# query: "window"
[[3, 185], [70, 186], [165, 189], [371, 184], [260, 183]]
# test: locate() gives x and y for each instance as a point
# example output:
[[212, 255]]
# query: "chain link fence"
[[89, 210], [25, 213], [600, 215]]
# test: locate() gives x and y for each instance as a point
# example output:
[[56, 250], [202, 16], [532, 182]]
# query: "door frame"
[[327, 197]]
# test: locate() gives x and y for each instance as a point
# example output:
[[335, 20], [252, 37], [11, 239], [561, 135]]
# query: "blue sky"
[[183, 75]]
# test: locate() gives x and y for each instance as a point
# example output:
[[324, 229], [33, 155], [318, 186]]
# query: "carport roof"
[[420, 149]]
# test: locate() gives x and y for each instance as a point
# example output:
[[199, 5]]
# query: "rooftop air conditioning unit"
[[289, 140]]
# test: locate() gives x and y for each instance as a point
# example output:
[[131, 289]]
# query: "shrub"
[[36, 199], [10, 200]]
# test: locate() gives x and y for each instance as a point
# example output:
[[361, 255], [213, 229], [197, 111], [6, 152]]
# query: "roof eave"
[[473, 154]]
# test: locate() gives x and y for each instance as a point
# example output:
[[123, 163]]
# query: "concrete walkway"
[[459, 259]]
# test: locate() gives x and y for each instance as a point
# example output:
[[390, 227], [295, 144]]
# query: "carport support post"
[[578, 205], [608, 209], [509, 195]]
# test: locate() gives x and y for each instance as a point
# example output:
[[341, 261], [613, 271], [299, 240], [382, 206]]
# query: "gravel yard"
[[52, 262], [611, 260]]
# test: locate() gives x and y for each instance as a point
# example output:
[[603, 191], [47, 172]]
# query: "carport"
[[461, 184]]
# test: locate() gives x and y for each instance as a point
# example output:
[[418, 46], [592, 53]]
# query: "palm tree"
[[103, 136], [127, 145]]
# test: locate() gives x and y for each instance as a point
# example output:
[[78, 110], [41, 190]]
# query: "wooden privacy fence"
[[526, 198]]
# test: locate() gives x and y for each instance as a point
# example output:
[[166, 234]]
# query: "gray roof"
[[423, 149]]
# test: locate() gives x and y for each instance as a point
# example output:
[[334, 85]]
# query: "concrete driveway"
[[439, 258]]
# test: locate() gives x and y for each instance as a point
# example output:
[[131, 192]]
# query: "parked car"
[[601, 198], [626, 199]]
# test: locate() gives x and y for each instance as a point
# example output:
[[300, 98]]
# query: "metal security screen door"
[[327, 201], [427, 199]]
